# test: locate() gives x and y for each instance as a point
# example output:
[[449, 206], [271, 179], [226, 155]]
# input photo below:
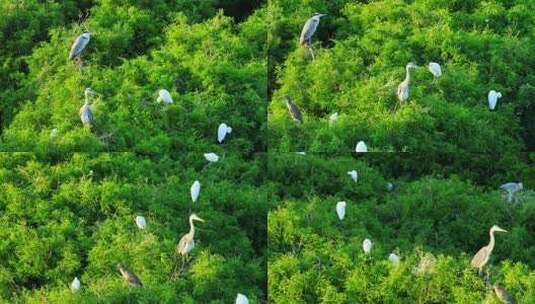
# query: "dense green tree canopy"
[[361, 51], [439, 216]]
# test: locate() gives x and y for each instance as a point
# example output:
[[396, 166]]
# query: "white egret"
[[293, 110], [79, 44], [211, 157], [164, 96], [435, 69], [393, 258], [367, 246], [482, 256], [242, 299], [222, 132], [493, 98], [341, 210], [54, 133], [354, 175], [333, 118], [389, 186], [194, 190], [187, 242], [131, 278], [403, 88], [361, 147], [141, 222], [511, 188], [75, 284]]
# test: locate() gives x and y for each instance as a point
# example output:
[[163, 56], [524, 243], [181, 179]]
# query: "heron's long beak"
[[321, 15], [199, 219]]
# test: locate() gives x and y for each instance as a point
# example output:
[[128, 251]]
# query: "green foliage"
[[361, 51], [437, 216], [75, 217]]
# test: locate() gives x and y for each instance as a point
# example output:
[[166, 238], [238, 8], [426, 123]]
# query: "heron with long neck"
[[187, 242], [403, 88], [482, 256]]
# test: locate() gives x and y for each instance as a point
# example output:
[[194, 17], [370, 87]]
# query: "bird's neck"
[[408, 75], [492, 241], [191, 227]]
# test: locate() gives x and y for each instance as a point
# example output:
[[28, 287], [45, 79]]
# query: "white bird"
[[54, 133], [403, 88], [79, 44], [309, 29], [242, 299], [361, 147], [222, 132], [211, 157], [482, 256], [187, 242], [389, 186], [333, 118], [367, 246], [194, 191], [493, 98], [164, 96], [435, 69], [301, 153], [341, 210], [511, 188], [393, 258], [75, 285], [354, 175], [141, 222]]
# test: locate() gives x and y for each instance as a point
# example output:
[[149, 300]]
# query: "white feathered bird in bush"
[[493, 99], [222, 132], [164, 96], [367, 246], [195, 190], [354, 175], [211, 157], [333, 118], [435, 69], [394, 258], [341, 210], [361, 147], [141, 222], [403, 88], [242, 299], [75, 285]]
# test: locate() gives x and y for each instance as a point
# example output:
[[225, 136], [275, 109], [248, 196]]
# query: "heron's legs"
[[311, 50], [184, 260]]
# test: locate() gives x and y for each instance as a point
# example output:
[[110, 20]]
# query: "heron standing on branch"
[[78, 46], [187, 242], [403, 88], [293, 109], [86, 113], [511, 189], [129, 276], [308, 31], [482, 256]]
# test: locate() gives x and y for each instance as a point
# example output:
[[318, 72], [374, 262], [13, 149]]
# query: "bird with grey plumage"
[[79, 45], [502, 294], [293, 110], [86, 111], [131, 278], [403, 87], [308, 31], [483, 255], [187, 242], [511, 188]]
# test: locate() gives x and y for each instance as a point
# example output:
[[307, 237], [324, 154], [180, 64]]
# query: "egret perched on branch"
[[194, 190], [222, 132], [75, 285], [403, 88], [187, 243], [242, 299], [482, 256], [79, 45], [361, 147], [367, 246], [333, 118], [493, 98], [165, 97], [354, 175], [511, 188], [54, 133], [141, 222], [130, 277], [394, 259], [308, 31], [211, 157], [503, 295], [435, 69], [293, 109], [341, 210]]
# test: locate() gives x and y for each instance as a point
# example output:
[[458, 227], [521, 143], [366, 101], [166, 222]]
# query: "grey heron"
[[482, 256], [195, 190], [187, 242], [131, 278], [141, 222], [241, 299], [511, 188], [493, 98], [79, 45], [293, 109], [435, 69], [341, 210], [502, 294], [86, 112], [75, 284], [308, 31], [403, 88]]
